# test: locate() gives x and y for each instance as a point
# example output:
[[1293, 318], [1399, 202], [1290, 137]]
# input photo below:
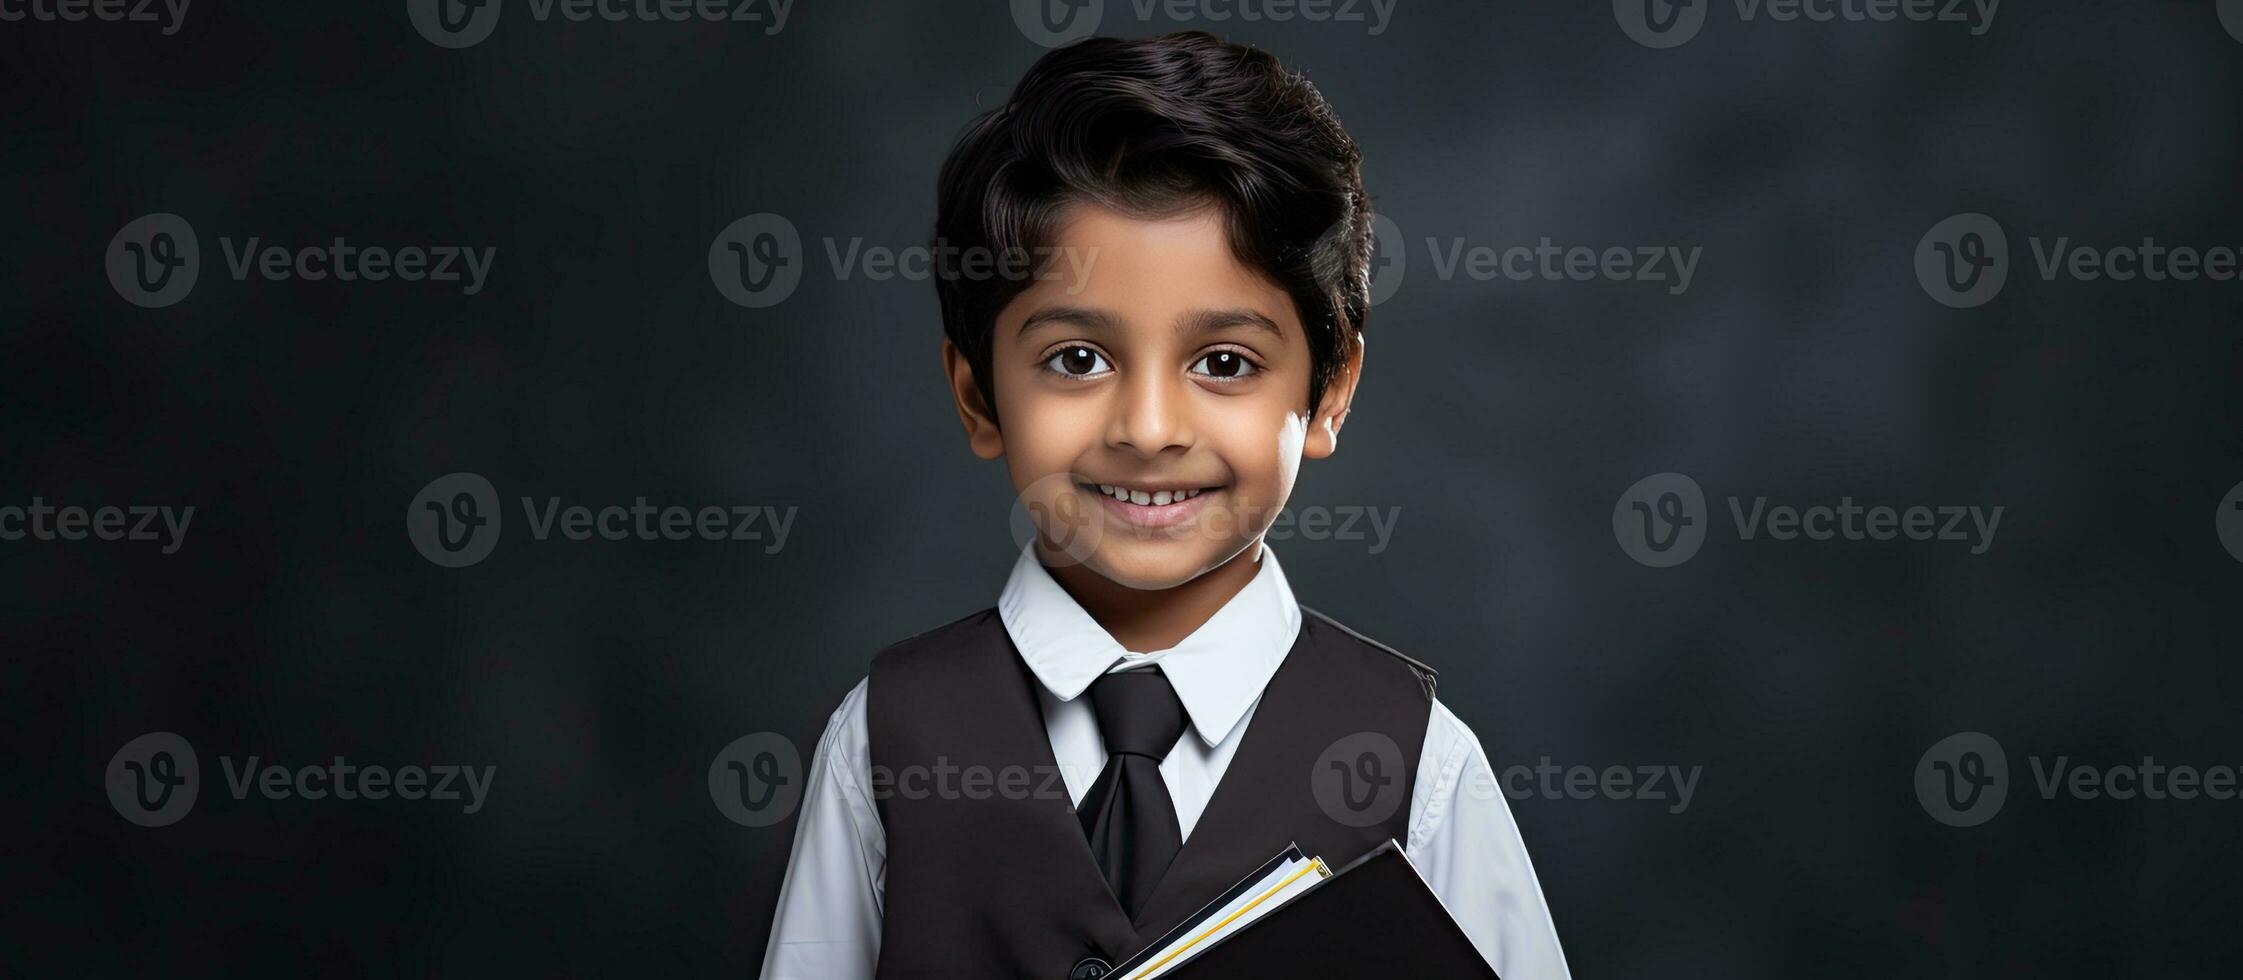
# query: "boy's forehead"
[[1153, 268]]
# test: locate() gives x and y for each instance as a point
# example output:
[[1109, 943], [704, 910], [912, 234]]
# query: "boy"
[[1146, 652]]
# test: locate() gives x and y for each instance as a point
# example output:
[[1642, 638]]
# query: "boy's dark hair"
[[1153, 128]]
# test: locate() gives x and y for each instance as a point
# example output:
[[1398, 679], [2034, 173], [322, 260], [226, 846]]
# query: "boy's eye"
[[1078, 362], [1225, 364]]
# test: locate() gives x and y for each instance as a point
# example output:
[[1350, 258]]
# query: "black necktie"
[[1128, 816]]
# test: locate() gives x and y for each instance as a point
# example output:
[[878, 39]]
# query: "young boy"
[[1147, 654]]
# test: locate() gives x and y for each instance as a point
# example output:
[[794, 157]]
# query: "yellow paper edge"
[[1314, 864]]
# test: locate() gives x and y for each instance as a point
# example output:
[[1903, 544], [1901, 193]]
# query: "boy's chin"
[[1152, 566]]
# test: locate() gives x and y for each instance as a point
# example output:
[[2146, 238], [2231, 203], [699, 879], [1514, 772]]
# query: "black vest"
[[990, 875]]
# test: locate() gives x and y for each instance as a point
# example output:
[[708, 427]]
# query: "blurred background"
[[1501, 424]]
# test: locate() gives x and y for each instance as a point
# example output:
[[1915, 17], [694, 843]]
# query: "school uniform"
[[896, 873]]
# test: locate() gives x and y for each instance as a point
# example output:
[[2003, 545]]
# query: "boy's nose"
[[1150, 415]]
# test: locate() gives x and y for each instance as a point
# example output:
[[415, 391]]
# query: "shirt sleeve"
[[828, 920], [1464, 842]]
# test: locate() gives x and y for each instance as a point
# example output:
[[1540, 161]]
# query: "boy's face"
[[1169, 374]]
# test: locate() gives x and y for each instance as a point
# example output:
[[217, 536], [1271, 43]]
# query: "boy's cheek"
[[1046, 435]]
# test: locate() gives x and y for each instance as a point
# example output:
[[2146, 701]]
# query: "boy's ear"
[[973, 410], [1332, 409]]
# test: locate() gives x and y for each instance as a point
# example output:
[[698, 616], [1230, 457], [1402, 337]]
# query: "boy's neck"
[[1144, 621]]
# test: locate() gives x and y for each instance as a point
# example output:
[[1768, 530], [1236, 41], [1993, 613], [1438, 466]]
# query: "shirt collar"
[[1218, 671]]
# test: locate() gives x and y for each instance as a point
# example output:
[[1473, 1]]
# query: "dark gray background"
[[1503, 419]]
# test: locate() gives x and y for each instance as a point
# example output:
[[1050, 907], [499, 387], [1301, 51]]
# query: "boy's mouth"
[[1150, 506]]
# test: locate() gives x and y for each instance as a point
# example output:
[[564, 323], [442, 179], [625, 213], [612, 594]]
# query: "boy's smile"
[[1163, 395], [1153, 506]]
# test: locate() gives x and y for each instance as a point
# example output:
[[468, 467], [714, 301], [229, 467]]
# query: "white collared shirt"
[[1462, 838]]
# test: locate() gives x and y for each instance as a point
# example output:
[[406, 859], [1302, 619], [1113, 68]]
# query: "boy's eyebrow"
[[1078, 315], [1203, 321], [1209, 320]]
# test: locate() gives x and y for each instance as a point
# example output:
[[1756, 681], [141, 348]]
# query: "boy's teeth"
[[1157, 498]]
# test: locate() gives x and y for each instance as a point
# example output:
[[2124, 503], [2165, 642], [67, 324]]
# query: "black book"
[[1296, 918]]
